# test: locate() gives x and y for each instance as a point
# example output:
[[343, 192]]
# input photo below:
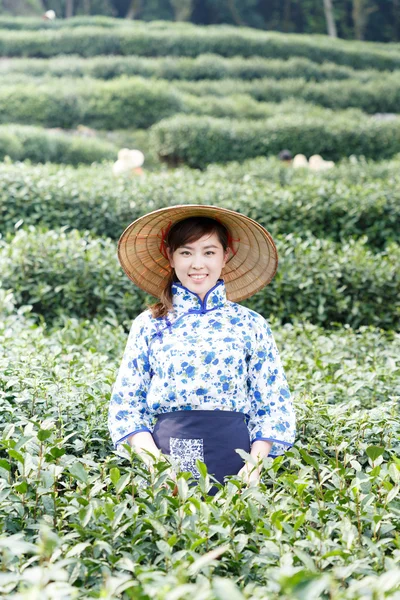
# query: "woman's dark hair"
[[181, 233]]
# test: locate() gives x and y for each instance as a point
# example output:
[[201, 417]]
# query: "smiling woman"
[[201, 375]]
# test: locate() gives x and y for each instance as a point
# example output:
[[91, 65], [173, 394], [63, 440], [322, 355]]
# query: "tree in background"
[[349, 19], [361, 12], [330, 19], [182, 9], [69, 9]]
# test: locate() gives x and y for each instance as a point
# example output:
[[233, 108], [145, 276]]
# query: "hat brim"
[[252, 265]]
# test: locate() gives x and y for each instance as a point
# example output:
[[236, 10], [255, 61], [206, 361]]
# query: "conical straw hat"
[[253, 263]]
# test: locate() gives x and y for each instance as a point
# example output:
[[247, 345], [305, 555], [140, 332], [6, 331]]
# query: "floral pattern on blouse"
[[212, 355]]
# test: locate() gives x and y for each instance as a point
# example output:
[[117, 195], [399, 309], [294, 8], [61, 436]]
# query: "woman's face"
[[198, 265]]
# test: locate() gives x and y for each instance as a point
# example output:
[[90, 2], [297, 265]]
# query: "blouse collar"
[[186, 301]]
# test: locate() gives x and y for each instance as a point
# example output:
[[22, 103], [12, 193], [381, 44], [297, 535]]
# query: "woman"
[[201, 375]]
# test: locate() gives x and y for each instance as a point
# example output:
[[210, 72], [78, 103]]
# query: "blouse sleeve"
[[272, 417], [128, 410]]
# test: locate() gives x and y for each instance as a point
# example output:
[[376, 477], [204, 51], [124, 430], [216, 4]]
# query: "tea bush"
[[120, 103], [204, 66], [281, 199], [178, 40], [139, 103], [373, 96], [77, 520], [198, 141], [21, 142], [35, 23], [104, 105], [72, 272]]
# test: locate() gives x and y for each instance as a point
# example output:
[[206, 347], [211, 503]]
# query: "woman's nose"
[[197, 262]]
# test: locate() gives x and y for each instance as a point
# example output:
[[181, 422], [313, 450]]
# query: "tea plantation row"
[[121, 102], [204, 66], [178, 40], [24, 142], [198, 141], [282, 199], [322, 521], [59, 272]]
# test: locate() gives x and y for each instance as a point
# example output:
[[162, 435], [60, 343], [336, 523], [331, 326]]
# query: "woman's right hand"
[[143, 443]]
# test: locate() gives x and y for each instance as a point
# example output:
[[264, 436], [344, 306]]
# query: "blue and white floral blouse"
[[212, 354]]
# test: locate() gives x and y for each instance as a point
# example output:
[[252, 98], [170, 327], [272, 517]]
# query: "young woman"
[[201, 375]]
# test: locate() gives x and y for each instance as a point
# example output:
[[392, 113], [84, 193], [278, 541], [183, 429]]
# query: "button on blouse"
[[212, 354]]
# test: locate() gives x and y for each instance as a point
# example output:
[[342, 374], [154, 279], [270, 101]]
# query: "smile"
[[198, 277]]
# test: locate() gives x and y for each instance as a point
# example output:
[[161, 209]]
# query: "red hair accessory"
[[162, 236]]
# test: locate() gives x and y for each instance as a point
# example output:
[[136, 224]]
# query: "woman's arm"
[[128, 411]]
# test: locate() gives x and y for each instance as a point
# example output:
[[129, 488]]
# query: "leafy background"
[[79, 522]]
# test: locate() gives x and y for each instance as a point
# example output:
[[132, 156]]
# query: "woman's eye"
[[210, 252]]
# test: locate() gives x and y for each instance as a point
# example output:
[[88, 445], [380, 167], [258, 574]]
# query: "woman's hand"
[[251, 473]]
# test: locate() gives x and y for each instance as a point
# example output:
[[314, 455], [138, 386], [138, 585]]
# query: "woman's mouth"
[[198, 277]]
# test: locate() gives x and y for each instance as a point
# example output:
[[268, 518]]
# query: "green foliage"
[[58, 272], [174, 40], [38, 145], [204, 66], [105, 105], [35, 24], [324, 517], [139, 103], [348, 201], [198, 141], [374, 95]]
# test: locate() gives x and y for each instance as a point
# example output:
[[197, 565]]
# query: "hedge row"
[[376, 95], [345, 178], [38, 145], [92, 199], [193, 41], [104, 105], [199, 141], [139, 103], [324, 282], [205, 66], [35, 23]]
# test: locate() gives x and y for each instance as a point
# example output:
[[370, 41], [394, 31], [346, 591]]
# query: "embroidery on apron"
[[185, 452]]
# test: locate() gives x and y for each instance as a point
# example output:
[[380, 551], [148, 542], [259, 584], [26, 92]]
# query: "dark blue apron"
[[208, 435]]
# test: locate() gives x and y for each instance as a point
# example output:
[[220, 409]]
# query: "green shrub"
[[198, 141], [35, 23], [139, 103], [134, 103], [376, 95], [323, 282], [204, 66], [105, 105], [193, 41], [38, 145], [91, 198]]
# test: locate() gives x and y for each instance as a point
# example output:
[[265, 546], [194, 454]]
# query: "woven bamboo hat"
[[251, 266]]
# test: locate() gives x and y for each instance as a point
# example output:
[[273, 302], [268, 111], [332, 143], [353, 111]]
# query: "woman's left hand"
[[250, 473]]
